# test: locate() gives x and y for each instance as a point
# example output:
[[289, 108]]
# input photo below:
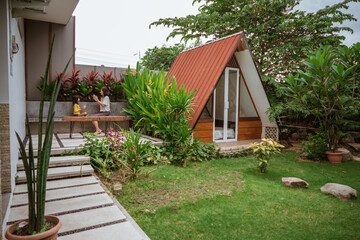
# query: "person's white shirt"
[[105, 100]]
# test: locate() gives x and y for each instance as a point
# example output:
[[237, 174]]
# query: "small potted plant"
[[263, 151], [38, 226], [333, 135]]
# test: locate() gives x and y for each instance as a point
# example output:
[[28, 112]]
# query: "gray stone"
[[117, 187], [356, 146], [355, 158], [348, 140], [339, 190], [347, 156], [304, 155], [294, 182]]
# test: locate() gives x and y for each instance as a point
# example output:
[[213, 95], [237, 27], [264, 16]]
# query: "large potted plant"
[[38, 226], [333, 134], [323, 92]]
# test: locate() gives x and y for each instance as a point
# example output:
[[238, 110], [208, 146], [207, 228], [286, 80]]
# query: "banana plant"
[[36, 180]]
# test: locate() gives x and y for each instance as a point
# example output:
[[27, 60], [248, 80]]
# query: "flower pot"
[[50, 234], [334, 157]]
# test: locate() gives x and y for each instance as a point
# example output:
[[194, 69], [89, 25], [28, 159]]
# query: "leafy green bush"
[[203, 151], [135, 151], [160, 109], [105, 153], [316, 146], [263, 151]]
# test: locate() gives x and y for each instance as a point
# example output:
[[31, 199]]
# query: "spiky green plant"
[[36, 182]]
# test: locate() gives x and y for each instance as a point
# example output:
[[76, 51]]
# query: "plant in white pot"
[[38, 226]]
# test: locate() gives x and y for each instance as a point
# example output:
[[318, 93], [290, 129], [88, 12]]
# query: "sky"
[[116, 33]]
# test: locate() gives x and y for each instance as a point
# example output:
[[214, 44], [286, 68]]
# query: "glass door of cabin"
[[226, 106]]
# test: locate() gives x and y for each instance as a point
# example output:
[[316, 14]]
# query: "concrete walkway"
[[78, 198]]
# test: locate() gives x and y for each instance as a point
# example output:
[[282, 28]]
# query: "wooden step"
[[61, 161], [60, 173]]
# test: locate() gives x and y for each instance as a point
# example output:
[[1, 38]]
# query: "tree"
[[161, 58], [278, 35], [324, 91]]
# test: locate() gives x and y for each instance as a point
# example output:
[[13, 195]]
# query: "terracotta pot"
[[334, 157], [50, 234]]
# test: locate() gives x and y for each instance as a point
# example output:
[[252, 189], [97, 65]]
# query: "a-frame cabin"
[[230, 103]]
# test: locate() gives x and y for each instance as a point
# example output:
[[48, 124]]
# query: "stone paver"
[[66, 205], [62, 193], [120, 231], [90, 218], [60, 161], [22, 188], [61, 172], [85, 209]]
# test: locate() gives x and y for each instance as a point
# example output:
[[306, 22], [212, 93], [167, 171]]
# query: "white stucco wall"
[[254, 84], [17, 102], [12, 80], [4, 50]]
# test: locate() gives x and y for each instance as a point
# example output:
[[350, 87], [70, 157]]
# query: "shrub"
[[160, 109], [316, 146], [325, 92], [135, 151], [203, 151], [105, 153], [263, 151]]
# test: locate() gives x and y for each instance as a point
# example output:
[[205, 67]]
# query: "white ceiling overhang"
[[54, 11]]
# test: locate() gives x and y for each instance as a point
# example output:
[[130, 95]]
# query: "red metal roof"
[[200, 69]]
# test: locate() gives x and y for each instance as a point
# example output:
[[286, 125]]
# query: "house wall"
[[12, 99], [204, 130], [38, 40], [249, 130], [254, 84]]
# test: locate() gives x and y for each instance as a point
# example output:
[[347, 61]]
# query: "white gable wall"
[[255, 86]]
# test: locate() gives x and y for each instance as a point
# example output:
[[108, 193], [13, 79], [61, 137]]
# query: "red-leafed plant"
[[69, 85]]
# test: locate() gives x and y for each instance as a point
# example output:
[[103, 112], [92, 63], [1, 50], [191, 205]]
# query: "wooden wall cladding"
[[204, 131], [249, 130]]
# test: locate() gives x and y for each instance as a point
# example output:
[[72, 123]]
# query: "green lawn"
[[229, 199]]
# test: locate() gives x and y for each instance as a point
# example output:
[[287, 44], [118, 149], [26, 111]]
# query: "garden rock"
[[356, 146], [347, 156], [355, 158], [348, 140], [339, 190], [294, 182], [304, 155], [117, 187]]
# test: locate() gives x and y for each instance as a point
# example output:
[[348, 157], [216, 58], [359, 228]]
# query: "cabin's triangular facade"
[[230, 103]]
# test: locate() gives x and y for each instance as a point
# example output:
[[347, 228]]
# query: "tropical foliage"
[[263, 151], [316, 146], [36, 179], [85, 86], [324, 92], [160, 108]]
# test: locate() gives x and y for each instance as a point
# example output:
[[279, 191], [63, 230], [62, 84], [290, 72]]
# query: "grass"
[[230, 199]]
